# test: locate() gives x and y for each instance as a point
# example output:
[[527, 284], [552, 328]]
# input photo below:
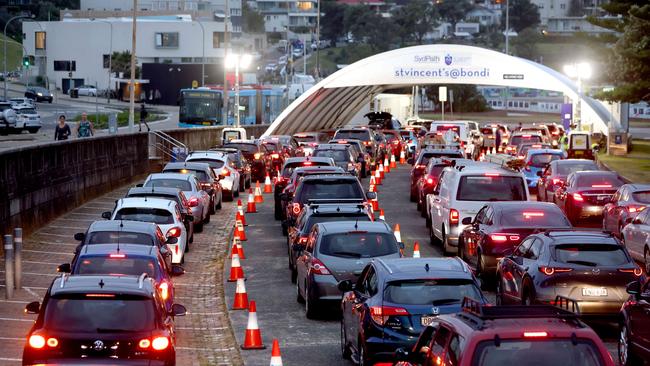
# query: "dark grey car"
[[206, 176], [337, 251]]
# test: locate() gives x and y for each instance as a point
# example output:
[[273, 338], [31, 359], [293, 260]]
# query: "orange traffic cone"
[[240, 210], [268, 188], [381, 214], [416, 250], [377, 177], [251, 202], [375, 204], [236, 271], [398, 234], [393, 163], [240, 249], [386, 165], [239, 228], [253, 336], [372, 180], [381, 171], [241, 218], [276, 359], [241, 297], [258, 193], [402, 158]]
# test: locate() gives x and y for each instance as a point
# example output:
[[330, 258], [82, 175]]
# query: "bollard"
[[18, 258], [9, 267]]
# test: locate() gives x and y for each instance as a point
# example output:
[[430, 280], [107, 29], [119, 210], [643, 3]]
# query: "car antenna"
[[101, 283], [119, 233], [426, 267], [356, 224]]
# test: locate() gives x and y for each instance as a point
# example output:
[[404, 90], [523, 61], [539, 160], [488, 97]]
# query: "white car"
[[462, 191], [27, 118], [87, 90], [460, 129], [164, 213], [21, 101], [271, 67], [198, 199], [223, 166]]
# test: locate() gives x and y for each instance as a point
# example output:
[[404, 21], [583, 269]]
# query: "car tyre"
[[219, 205], [626, 356], [229, 196], [362, 361], [311, 305], [207, 218], [412, 196], [433, 240], [646, 259], [345, 349], [528, 297], [32, 130], [212, 210], [198, 227], [499, 292]]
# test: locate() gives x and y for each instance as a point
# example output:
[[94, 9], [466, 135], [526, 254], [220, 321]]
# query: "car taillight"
[[429, 180], [275, 156], [205, 186], [491, 174], [395, 142], [258, 156], [578, 197], [454, 217], [174, 232], [164, 290], [160, 343], [193, 202], [318, 268], [636, 271], [367, 143], [502, 238], [635, 209], [535, 334], [52, 342], [296, 208], [601, 186], [549, 271], [380, 314], [225, 172], [144, 343], [36, 341], [302, 240], [420, 167], [557, 181], [117, 256]]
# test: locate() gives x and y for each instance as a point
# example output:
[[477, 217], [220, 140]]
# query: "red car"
[[276, 155], [395, 142], [428, 181], [585, 194]]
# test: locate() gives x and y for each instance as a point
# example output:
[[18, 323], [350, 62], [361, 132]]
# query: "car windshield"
[[169, 197], [337, 155], [87, 314], [244, 148], [199, 174], [390, 137], [214, 164], [353, 134], [359, 244], [566, 168], [406, 134], [431, 291], [642, 196], [270, 146], [425, 157], [305, 138], [155, 215], [487, 131], [317, 219], [26, 111], [542, 160], [518, 139], [181, 184], [109, 237], [599, 181], [591, 255], [329, 188], [289, 167], [545, 351], [491, 188], [531, 218], [115, 265]]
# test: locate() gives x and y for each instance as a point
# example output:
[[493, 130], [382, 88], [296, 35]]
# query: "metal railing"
[[163, 146]]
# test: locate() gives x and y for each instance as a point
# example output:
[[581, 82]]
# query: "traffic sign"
[[195, 84], [442, 93]]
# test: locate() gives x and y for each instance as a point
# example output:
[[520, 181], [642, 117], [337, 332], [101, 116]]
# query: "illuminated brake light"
[[636, 271], [225, 172], [164, 290], [533, 214], [257, 156], [296, 208], [36, 341], [275, 156], [193, 202], [491, 174], [537, 146], [535, 334], [429, 180], [498, 237], [302, 240], [578, 197], [526, 136], [342, 141], [380, 314], [307, 163], [174, 232], [633, 209], [144, 343], [454, 217], [557, 181], [160, 343], [117, 256], [549, 271], [601, 186], [318, 267], [100, 295]]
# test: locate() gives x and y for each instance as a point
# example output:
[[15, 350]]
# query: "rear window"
[[431, 291], [533, 218], [155, 215], [591, 255], [337, 155], [362, 135], [424, 158], [643, 197], [516, 140], [358, 245], [491, 188], [568, 168], [487, 131], [270, 147], [183, 185], [305, 138], [543, 351], [534, 130], [245, 148], [214, 164], [599, 181], [391, 137], [289, 167], [317, 219], [405, 134], [542, 160], [200, 175], [109, 237], [87, 314], [445, 128], [130, 266], [330, 188]]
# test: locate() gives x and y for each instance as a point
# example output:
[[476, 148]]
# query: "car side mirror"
[[401, 354], [539, 173], [177, 270], [172, 240], [178, 310], [467, 221], [410, 161], [33, 307], [79, 236], [139, 185], [345, 286], [64, 268], [371, 195], [633, 288], [106, 215]]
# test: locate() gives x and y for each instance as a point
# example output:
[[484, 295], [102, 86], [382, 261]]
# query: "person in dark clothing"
[[497, 140], [143, 118], [62, 130]]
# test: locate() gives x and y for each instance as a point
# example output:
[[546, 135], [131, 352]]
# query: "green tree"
[[466, 97], [415, 20], [523, 14], [121, 62], [370, 27], [525, 44], [333, 20], [253, 21], [453, 11]]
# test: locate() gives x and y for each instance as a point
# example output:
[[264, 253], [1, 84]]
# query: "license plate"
[[589, 291], [206, 123], [427, 320], [578, 153]]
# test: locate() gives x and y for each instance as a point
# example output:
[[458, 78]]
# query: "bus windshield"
[[200, 107]]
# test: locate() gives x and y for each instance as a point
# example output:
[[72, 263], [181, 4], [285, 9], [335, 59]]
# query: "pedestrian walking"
[[497, 140], [143, 118], [62, 130], [85, 128]]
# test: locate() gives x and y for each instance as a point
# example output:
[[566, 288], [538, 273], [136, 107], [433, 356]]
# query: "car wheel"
[[412, 197], [212, 210], [646, 260], [445, 245], [235, 193], [528, 297], [192, 238], [499, 292], [418, 205], [187, 246], [626, 357], [198, 227], [32, 130], [228, 196], [433, 240], [345, 349], [311, 305], [299, 298], [294, 275], [461, 246], [207, 218], [218, 206], [361, 349], [285, 230], [427, 221]]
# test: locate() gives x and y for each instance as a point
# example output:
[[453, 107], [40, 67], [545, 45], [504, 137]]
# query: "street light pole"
[[203, 53], [226, 41], [238, 122], [318, 40], [505, 102], [4, 73], [132, 83]]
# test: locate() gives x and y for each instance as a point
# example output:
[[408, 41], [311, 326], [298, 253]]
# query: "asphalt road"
[[317, 342]]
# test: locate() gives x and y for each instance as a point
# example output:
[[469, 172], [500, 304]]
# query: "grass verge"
[[122, 118], [635, 166]]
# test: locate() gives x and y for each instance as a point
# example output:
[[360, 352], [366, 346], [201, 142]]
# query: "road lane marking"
[[30, 287], [45, 252], [17, 320], [40, 262]]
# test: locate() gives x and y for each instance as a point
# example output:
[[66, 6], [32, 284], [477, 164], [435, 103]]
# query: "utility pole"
[[132, 83], [505, 101], [226, 40], [318, 40]]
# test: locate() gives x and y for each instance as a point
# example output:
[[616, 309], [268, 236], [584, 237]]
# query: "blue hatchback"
[[394, 299], [536, 161]]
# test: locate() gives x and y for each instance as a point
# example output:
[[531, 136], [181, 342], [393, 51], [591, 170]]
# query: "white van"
[[461, 129]]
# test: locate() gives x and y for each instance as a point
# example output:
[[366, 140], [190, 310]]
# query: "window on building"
[[217, 39], [562, 6], [166, 40], [40, 40], [235, 11], [305, 5], [198, 60], [186, 60], [65, 65], [106, 61]]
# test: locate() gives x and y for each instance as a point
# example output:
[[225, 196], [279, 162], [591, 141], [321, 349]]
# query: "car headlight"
[[39, 94]]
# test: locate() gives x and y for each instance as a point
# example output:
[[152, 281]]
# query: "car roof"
[[178, 176], [315, 169], [431, 150], [334, 208], [114, 248], [638, 187], [545, 151], [482, 168], [250, 142], [595, 172], [329, 176], [123, 225], [519, 133], [300, 159], [508, 205], [337, 227], [206, 154], [102, 284], [154, 190], [577, 236], [331, 147], [414, 268], [145, 203], [187, 165]]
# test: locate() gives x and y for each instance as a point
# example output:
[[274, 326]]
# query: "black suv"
[[367, 137], [100, 319], [288, 167], [254, 153]]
